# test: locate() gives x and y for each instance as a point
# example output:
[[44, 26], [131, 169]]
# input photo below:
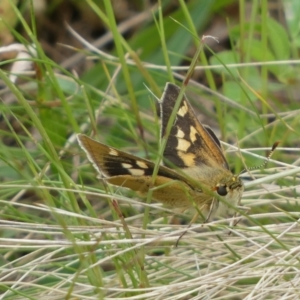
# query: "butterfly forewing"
[[113, 162], [189, 143]]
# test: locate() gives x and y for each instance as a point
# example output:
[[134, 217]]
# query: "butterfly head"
[[231, 188]]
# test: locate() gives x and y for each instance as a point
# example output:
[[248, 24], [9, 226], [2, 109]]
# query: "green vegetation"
[[67, 235]]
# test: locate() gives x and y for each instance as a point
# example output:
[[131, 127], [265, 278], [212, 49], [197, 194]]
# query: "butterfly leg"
[[195, 217], [236, 220], [213, 205]]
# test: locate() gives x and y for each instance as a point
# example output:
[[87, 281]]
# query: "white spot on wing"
[[180, 133], [136, 172], [193, 134], [126, 166], [113, 152], [183, 145], [141, 164], [183, 109]]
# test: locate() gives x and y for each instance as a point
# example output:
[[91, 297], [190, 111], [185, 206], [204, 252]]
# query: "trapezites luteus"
[[196, 172]]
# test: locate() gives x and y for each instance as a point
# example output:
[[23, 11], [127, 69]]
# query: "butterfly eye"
[[221, 190]]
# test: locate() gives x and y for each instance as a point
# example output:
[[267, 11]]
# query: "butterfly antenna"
[[265, 162]]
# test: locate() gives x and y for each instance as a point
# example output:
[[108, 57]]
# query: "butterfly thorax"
[[215, 185]]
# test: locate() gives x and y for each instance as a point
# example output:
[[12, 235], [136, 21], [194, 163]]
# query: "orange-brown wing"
[[126, 170], [113, 162]]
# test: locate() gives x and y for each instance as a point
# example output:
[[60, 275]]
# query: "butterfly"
[[195, 172]]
